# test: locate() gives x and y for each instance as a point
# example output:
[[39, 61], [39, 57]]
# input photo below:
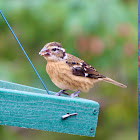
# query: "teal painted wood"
[[27, 107]]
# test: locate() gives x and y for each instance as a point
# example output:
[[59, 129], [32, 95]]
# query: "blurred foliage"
[[103, 33]]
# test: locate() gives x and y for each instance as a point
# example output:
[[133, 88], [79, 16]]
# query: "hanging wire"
[[24, 51]]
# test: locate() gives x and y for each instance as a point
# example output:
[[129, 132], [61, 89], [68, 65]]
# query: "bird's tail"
[[114, 82]]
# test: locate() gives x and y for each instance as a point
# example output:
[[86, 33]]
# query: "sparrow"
[[69, 72]]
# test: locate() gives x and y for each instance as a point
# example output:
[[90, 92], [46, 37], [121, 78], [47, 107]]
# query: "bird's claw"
[[65, 93], [57, 94], [75, 94], [61, 92]]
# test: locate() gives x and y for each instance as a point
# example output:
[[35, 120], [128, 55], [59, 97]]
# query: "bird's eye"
[[54, 49]]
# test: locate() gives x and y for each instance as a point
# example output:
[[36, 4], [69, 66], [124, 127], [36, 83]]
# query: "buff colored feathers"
[[69, 72]]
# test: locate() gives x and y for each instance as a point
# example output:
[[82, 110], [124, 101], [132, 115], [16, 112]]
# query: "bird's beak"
[[44, 51]]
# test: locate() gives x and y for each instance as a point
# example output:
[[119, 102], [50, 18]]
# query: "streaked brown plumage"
[[69, 72]]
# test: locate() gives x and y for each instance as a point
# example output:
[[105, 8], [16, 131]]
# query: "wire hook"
[[23, 51]]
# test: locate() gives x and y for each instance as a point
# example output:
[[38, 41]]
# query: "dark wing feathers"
[[80, 68], [78, 71], [86, 71]]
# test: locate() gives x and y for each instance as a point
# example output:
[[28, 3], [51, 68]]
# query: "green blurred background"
[[103, 33]]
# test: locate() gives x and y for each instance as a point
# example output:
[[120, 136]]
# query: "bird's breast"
[[61, 75], [58, 73]]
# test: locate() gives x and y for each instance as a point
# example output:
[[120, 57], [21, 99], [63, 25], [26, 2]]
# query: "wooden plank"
[[9, 85], [34, 110]]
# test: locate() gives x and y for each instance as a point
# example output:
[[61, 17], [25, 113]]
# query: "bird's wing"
[[80, 68]]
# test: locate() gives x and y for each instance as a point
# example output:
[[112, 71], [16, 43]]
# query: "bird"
[[69, 72]]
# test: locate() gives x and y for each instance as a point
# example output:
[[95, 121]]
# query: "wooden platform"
[[29, 107]]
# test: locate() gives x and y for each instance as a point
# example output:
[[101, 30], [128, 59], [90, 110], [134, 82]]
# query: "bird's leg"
[[75, 94], [65, 92], [61, 92], [58, 93]]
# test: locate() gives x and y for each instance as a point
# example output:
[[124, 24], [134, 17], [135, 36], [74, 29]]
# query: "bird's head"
[[53, 51]]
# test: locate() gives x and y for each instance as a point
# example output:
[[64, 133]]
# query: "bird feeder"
[[29, 107]]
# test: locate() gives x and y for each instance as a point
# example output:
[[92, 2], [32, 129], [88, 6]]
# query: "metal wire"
[[24, 51]]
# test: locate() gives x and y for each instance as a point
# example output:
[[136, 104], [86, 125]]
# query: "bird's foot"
[[65, 93], [75, 94], [61, 92]]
